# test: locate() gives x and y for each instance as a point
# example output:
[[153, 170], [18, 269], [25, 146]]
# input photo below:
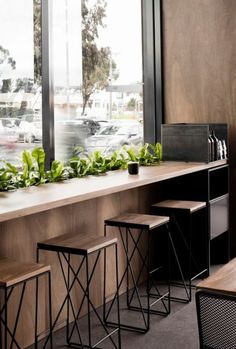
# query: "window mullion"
[[47, 84]]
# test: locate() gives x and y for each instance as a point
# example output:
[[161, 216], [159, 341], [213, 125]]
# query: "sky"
[[16, 35], [122, 34]]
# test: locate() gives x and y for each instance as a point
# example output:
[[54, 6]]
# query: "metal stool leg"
[[50, 309], [191, 261], [117, 296], [5, 317], [88, 300], [36, 315]]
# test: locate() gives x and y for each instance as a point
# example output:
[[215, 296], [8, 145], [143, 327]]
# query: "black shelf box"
[[189, 142]]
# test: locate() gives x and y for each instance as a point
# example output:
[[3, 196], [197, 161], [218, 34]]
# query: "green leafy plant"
[[146, 154], [118, 160], [78, 166], [59, 172], [149, 154], [96, 164], [32, 169], [8, 178]]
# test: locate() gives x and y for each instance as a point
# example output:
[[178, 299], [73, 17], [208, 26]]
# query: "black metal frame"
[[8, 291], [47, 84], [187, 244], [150, 282], [152, 70], [71, 277]]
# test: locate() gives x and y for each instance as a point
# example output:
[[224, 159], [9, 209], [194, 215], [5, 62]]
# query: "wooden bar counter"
[[78, 205]]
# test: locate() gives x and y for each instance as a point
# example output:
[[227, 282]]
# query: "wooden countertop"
[[48, 196], [224, 280]]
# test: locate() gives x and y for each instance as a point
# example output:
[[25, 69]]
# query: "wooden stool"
[[13, 274], [84, 246], [216, 308], [179, 212], [145, 224]]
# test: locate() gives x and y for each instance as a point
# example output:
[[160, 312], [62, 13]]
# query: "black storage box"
[[189, 142]]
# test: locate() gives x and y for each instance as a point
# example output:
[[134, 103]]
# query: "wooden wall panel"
[[199, 39]]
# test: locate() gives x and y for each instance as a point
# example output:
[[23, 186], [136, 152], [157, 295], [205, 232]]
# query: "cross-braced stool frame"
[[136, 280], [71, 277], [6, 333]]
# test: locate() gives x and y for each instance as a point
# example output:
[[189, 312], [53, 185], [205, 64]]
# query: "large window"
[[97, 50], [101, 90], [20, 77]]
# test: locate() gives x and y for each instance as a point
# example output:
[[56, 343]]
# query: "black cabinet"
[[218, 205], [210, 186]]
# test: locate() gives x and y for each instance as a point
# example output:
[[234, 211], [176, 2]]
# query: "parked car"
[[8, 133], [114, 136], [30, 132], [74, 132]]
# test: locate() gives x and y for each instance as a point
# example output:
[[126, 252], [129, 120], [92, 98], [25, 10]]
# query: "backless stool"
[[132, 242], [85, 248], [14, 274], [181, 215]]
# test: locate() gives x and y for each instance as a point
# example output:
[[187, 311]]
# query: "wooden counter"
[[79, 206], [32, 200]]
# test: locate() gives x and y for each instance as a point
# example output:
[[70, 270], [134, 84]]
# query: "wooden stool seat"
[[13, 272], [190, 206], [137, 221], [77, 243], [223, 280]]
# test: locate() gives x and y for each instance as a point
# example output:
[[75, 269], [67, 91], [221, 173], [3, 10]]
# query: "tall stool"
[[14, 274], [84, 246], [146, 224], [183, 211]]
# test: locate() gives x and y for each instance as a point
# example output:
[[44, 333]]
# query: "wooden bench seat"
[[223, 280]]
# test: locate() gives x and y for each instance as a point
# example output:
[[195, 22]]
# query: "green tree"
[[37, 42], [5, 58], [132, 104], [97, 65]]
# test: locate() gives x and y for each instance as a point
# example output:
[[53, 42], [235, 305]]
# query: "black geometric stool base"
[[16, 275], [69, 245], [184, 209], [132, 245]]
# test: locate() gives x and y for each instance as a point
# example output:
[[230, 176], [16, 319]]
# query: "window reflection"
[[20, 77], [97, 74]]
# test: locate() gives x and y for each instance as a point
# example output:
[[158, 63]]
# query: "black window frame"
[[152, 75]]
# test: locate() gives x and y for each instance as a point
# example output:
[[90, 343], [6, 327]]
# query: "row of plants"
[[32, 171]]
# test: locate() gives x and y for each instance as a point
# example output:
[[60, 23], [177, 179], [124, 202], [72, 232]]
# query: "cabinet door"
[[219, 216], [218, 182]]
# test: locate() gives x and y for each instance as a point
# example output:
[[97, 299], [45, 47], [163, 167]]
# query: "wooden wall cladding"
[[199, 39]]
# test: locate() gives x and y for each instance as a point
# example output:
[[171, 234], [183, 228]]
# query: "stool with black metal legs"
[[83, 247], [14, 274], [181, 235], [146, 226]]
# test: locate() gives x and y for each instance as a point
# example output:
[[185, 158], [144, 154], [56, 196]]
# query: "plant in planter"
[[146, 154], [8, 177], [32, 170]]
